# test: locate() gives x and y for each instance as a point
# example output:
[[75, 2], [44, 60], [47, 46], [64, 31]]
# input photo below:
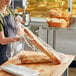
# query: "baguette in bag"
[[49, 52], [33, 57]]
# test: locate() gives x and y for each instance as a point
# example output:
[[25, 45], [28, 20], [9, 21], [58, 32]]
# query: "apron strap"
[[2, 15], [11, 11]]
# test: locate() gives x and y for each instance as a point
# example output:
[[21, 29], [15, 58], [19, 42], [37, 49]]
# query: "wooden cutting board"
[[45, 69]]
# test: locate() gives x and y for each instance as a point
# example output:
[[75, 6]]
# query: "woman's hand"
[[19, 18], [5, 40], [20, 38]]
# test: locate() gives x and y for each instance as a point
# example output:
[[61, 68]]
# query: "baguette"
[[33, 57], [50, 53]]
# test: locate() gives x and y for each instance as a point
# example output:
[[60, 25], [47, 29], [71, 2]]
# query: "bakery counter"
[[45, 69]]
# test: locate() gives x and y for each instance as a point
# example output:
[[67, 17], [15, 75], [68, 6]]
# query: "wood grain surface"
[[45, 69]]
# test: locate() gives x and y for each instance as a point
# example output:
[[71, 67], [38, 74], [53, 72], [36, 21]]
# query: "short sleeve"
[[1, 27], [1, 24]]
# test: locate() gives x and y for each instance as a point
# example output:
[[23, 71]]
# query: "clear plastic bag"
[[35, 44]]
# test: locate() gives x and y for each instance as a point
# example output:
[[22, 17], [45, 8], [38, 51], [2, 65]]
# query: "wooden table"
[[45, 69]]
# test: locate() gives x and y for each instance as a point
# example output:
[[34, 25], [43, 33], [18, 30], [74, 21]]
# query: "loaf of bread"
[[33, 57], [55, 22], [56, 13], [66, 15], [59, 10]]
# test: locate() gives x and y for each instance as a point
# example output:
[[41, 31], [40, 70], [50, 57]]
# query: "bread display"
[[33, 57], [58, 13], [58, 18]]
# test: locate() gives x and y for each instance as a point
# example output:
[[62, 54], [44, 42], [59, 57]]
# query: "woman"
[[7, 31]]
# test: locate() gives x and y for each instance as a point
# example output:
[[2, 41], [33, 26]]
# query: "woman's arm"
[[5, 40]]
